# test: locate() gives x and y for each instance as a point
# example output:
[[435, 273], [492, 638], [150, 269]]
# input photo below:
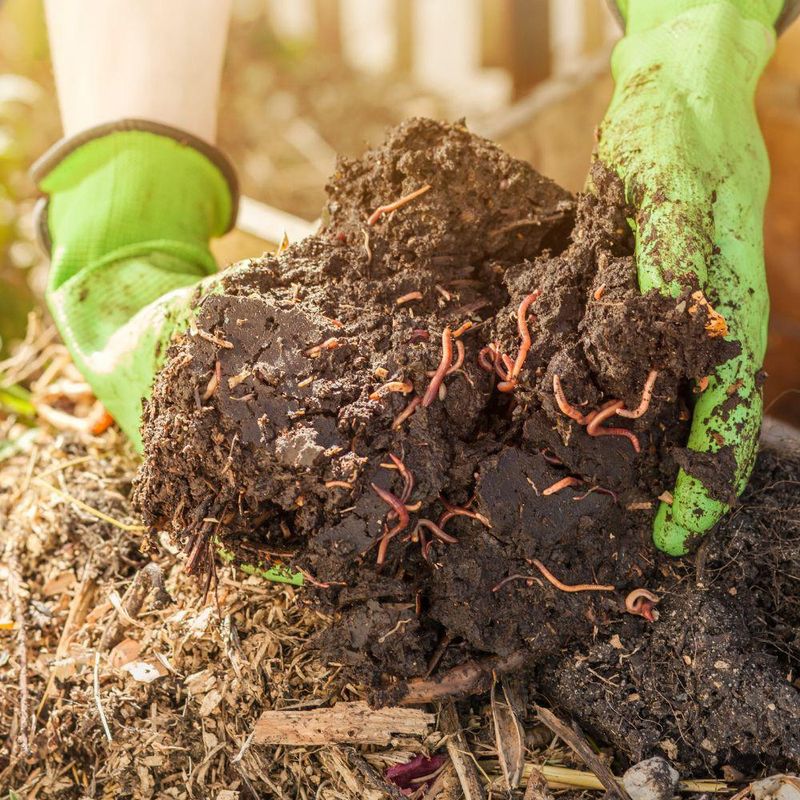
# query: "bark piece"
[[345, 722]]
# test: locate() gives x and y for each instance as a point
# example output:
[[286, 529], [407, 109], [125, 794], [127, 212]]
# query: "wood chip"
[[343, 723]]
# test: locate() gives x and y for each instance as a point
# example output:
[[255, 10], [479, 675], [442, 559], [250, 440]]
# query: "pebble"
[[652, 779], [777, 787]]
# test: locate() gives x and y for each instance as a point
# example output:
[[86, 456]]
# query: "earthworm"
[[515, 577], [399, 508], [483, 361], [578, 587], [564, 405], [437, 531], [600, 490], [407, 298], [406, 474], [501, 360], [593, 426], [338, 485], [385, 209], [328, 344], [424, 544], [465, 326], [641, 602], [457, 364], [550, 459], [459, 358], [559, 485], [444, 364], [307, 576], [459, 511], [514, 368], [525, 335], [406, 413], [599, 291], [393, 386], [419, 333], [644, 404]]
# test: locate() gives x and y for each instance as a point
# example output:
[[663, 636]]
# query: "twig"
[[209, 337], [578, 744], [459, 753], [471, 677], [97, 701]]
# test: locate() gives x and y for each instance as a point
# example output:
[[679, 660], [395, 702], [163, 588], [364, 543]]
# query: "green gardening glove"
[[681, 132], [130, 211]]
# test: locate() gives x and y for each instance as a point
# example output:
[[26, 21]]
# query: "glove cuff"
[[781, 19], [61, 150]]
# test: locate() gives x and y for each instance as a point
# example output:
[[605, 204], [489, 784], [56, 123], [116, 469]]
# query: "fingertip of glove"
[[668, 536]]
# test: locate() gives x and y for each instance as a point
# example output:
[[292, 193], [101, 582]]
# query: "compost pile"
[[417, 408]]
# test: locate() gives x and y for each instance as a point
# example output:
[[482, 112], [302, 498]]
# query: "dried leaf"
[[411, 774], [509, 736]]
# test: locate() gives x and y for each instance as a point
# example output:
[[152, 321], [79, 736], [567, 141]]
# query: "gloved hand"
[[131, 208], [682, 133]]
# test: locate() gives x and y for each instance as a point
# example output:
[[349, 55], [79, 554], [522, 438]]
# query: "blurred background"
[[307, 79]]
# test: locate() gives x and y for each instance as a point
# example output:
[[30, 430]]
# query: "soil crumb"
[[378, 408]]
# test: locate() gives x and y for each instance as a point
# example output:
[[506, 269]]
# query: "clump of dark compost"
[[375, 407]]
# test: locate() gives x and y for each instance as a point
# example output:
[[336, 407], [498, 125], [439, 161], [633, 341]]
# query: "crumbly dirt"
[[272, 420]]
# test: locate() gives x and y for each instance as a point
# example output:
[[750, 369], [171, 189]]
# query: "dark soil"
[[249, 425]]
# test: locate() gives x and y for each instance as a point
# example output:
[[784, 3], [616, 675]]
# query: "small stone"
[[652, 779], [776, 787]]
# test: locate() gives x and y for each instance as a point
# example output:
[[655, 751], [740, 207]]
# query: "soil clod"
[[305, 397]]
